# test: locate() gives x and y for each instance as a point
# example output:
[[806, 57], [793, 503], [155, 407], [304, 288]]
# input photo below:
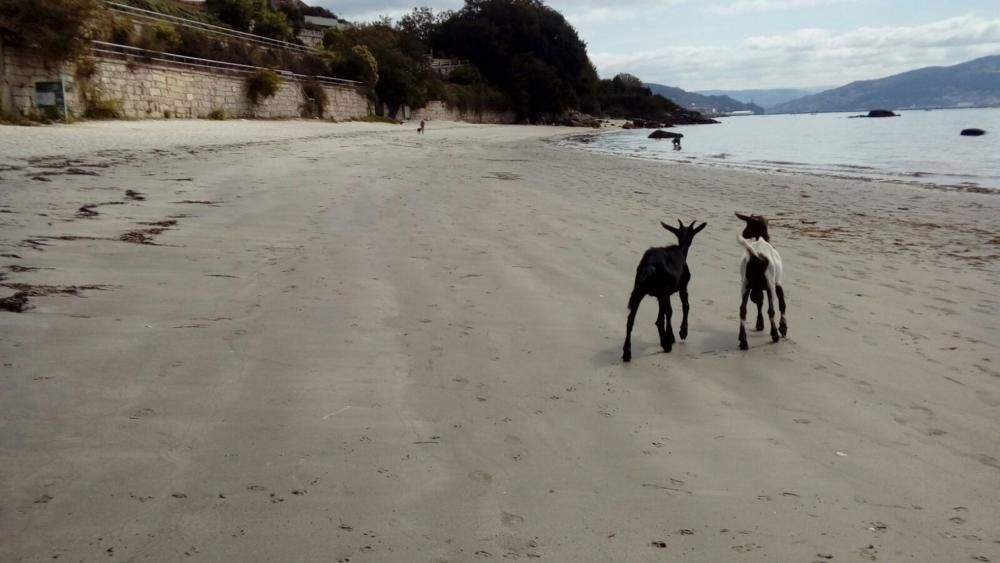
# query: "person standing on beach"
[[423, 124], [677, 143]]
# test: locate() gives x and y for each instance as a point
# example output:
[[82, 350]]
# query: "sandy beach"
[[291, 341]]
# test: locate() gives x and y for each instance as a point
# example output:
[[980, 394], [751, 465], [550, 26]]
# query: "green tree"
[[403, 70], [421, 24], [527, 50], [238, 14], [269, 23], [627, 96], [625, 82], [252, 16]]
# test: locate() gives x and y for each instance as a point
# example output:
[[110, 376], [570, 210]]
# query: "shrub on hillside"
[[96, 107], [315, 99], [261, 85], [184, 10], [269, 23], [58, 29], [114, 28], [160, 37]]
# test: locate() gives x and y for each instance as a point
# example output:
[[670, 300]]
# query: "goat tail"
[[642, 276], [749, 247], [635, 299]]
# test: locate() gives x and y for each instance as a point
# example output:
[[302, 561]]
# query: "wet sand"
[[354, 343]]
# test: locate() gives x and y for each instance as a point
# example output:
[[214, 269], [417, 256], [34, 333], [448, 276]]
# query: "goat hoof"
[[744, 346], [760, 325], [684, 333], [627, 357], [783, 329], [774, 336]]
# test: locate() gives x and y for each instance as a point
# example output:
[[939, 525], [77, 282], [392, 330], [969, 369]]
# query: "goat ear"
[[699, 228], [744, 217], [669, 228]]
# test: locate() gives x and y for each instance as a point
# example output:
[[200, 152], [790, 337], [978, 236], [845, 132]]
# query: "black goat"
[[662, 272]]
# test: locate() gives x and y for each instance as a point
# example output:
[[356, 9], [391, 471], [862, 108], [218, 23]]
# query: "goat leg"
[[663, 325], [660, 324], [633, 308], [782, 325], [743, 319], [685, 307], [669, 328], [770, 313]]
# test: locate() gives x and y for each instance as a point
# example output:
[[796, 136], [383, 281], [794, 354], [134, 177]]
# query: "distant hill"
[[766, 99], [971, 84], [705, 104]]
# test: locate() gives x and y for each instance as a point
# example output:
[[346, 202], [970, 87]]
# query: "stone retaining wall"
[[143, 90], [156, 91], [19, 71], [441, 112]]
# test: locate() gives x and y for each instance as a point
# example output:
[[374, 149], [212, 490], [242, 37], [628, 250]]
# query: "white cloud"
[[599, 16], [811, 56], [746, 6], [588, 13]]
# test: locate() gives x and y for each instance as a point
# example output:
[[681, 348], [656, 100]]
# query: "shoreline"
[[776, 158], [943, 187]]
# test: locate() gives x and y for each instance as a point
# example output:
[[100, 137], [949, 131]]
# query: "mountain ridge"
[[765, 97], [974, 83], [699, 102]]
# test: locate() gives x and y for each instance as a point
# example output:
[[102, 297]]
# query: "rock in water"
[[661, 134], [973, 132], [882, 113]]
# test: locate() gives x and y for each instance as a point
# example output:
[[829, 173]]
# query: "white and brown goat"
[[760, 272]]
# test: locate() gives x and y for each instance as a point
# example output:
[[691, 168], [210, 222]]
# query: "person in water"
[[677, 143]]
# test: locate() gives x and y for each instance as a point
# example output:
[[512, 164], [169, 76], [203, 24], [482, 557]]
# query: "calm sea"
[[917, 147]]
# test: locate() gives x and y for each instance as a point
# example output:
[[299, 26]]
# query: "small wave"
[[856, 167], [779, 162]]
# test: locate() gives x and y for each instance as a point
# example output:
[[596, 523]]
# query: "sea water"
[[919, 146]]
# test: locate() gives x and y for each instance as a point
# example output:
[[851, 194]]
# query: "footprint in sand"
[[481, 477], [512, 520], [142, 413]]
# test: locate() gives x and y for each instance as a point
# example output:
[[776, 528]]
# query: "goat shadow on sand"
[[706, 341]]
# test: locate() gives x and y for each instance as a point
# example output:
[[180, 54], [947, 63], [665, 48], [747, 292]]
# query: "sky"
[[742, 44]]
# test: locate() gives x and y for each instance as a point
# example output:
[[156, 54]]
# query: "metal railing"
[[149, 15], [114, 49]]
